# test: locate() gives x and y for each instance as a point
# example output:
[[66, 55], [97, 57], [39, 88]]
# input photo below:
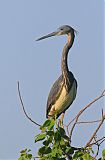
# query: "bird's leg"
[[61, 120]]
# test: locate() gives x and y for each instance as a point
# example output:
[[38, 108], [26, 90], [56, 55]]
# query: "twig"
[[98, 145], [98, 148], [95, 143], [102, 141], [103, 92], [88, 143], [21, 101], [86, 122], [81, 111], [71, 121], [67, 127], [96, 99]]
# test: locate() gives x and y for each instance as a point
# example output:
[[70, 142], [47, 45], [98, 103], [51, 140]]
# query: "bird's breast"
[[64, 100]]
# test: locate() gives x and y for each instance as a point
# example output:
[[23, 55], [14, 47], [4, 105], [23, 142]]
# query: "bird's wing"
[[74, 96], [56, 90], [54, 93]]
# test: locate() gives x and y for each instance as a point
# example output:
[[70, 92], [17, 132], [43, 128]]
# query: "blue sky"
[[37, 65]]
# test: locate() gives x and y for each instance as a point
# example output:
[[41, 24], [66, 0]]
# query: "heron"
[[64, 90]]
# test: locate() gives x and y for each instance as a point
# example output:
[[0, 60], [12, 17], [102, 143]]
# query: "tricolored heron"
[[63, 91]]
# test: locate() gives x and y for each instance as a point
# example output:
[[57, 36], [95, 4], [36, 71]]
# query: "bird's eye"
[[61, 29]]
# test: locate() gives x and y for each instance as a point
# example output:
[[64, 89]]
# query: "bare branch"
[[98, 148], [88, 122], [102, 141], [98, 144], [81, 111], [103, 92], [96, 99], [88, 143], [21, 101], [95, 143]]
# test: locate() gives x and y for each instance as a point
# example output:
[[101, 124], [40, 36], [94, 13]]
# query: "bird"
[[64, 90]]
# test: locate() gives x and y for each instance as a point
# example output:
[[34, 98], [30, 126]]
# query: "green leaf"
[[62, 143], [23, 154], [40, 137], [50, 127], [22, 158], [66, 137], [78, 154], [60, 152], [69, 150], [30, 156], [67, 143], [57, 136], [41, 150], [43, 129], [56, 152], [50, 133], [23, 151], [44, 150], [103, 153], [47, 150], [86, 156], [44, 158], [62, 131], [47, 142], [47, 123], [28, 150]]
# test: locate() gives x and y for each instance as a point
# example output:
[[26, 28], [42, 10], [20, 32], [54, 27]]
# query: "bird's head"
[[65, 29]]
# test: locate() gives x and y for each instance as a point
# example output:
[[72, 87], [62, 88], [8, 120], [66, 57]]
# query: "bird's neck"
[[64, 64]]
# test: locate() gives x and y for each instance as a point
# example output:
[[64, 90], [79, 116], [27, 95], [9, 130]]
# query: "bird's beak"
[[48, 35]]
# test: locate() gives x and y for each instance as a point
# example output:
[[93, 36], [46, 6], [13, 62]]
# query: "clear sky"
[[37, 65]]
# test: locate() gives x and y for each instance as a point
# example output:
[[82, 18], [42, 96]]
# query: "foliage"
[[56, 145], [25, 155]]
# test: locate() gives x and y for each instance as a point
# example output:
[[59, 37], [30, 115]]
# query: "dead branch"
[[21, 101], [88, 122], [81, 111], [96, 99], [94, 134], [102, 141], [98, 148], [98, 145], [97, 141]]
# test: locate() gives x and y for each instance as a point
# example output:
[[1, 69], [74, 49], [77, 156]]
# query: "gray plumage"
[[56, 90], [63, 91]]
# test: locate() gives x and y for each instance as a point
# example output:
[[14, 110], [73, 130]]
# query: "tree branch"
[[95, 143], [21, 101], [80, 112], [88, 143], [88, 122]]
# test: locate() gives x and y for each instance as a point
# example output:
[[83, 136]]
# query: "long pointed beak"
[[48, 35]]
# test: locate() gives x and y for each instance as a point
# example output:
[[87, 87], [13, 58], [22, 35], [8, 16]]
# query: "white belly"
[[64, 100]]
